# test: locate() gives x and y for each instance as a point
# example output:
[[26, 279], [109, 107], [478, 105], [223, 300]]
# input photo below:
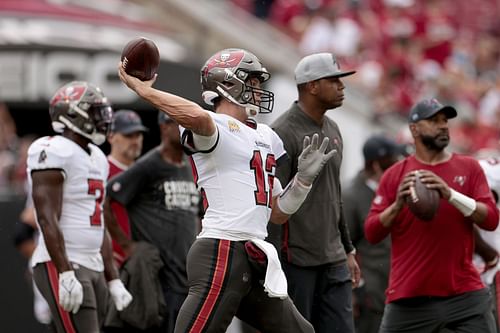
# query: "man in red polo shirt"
[[433, 284], [126, 145]]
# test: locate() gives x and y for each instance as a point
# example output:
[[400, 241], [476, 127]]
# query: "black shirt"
[[162, 204]]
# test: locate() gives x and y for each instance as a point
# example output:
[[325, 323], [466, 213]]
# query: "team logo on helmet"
[[224, 56], [225, 60], [71, 93]]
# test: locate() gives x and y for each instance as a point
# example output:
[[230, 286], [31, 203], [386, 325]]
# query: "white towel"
[[275, 284]]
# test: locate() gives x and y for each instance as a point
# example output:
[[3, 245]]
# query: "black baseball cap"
[[378, 146], [127, 122], [427, 108]]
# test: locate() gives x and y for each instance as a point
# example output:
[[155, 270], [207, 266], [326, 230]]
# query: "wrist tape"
[[463, 203], [293, 196]]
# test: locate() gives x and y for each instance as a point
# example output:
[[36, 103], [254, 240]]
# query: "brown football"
[[423, 202], [141, 58]]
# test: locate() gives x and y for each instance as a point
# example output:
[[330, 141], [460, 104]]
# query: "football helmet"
[[82, 108], [227, 74]]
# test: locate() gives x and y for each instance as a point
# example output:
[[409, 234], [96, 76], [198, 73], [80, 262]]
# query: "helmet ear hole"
[[88, 128]]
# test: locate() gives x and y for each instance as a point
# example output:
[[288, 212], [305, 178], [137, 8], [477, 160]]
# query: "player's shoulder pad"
[[49, 152], [56, 145]]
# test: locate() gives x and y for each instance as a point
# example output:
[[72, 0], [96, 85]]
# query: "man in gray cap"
[[379, 154], [433, 284], [125, 139], [317, 253]]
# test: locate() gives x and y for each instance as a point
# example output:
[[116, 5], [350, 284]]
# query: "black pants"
[[223, 284], [323, 295], [466, 313], [368, 315]]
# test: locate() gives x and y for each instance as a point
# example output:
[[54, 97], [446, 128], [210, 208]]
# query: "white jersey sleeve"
[[48, 153]]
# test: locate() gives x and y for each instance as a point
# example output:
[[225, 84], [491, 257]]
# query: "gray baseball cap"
[[427, 108], [318, 66]]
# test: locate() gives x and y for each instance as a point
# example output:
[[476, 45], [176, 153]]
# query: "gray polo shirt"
[[317, 233]]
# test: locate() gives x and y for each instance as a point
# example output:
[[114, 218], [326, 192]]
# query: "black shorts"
[[470, 312]]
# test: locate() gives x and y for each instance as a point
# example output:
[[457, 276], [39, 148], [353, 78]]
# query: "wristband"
[[115, 282], [463, 203], [293, 196]]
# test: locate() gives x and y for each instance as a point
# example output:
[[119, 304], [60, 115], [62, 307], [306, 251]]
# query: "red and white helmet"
[[82, 108], [226, 73], [491, 168]]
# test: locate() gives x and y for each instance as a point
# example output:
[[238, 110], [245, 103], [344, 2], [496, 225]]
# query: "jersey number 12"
[[263, 196]]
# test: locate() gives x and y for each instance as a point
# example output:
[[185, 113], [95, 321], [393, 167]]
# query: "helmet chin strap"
[[250, 109], [96, 138]]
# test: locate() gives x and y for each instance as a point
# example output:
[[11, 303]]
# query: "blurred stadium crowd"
[[13, 150], [405, 50]]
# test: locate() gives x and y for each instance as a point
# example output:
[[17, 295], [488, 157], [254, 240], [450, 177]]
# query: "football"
[[141, 58], [423, 202]]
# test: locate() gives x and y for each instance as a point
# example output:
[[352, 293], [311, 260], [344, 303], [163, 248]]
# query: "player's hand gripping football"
[[312, 159], [70, 292], [120, 295], [132, 82], [433, 181]]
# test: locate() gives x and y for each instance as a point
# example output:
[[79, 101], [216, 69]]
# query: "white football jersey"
[[236, 179], [85, 175]]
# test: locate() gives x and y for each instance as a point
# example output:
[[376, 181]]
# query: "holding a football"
[[141, 58], [422, 201]]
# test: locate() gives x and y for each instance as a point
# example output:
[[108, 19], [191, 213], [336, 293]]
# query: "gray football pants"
[[90, 316], [223, 283]]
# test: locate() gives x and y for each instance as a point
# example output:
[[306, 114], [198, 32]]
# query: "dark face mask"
[[102, 115]]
